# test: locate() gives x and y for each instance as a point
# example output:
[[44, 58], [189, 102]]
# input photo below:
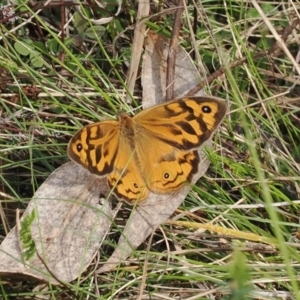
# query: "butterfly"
[[154, 151]]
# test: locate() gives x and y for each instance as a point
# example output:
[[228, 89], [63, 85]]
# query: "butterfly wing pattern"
[[174, 131], [99, 148], [95, 147], [156, 150]]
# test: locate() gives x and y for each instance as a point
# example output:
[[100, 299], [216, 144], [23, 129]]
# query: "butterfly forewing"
[[95, 147], [184, 123]]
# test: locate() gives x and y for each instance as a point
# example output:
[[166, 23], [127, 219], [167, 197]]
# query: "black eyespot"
[[135, 186], [206, 109], [166, 175], [79, 147]]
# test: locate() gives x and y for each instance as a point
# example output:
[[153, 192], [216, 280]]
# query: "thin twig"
[[173, 50]]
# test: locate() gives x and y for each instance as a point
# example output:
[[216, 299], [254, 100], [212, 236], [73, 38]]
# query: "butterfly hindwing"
[[167, 169], [126, 179]]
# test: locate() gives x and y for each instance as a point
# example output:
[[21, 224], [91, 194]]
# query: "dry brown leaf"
[[158, 208], [69, 228], [154, 70]]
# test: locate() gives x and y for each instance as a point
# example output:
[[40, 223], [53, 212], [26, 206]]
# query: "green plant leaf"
[[96, 31], [22, 48], [79, 22], [36, 60]]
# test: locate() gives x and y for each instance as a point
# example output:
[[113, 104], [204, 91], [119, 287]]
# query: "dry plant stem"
[[195, 55], [201, 12], [62, 29], [273, 50], [39, 30], [137, 46], [62, 20], [143, 284], [225, 231], [172, 51]]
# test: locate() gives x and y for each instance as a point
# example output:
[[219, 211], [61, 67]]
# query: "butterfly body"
[[154, 151]]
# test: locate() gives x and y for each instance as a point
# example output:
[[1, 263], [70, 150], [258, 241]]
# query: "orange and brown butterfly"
[[154, 151]]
